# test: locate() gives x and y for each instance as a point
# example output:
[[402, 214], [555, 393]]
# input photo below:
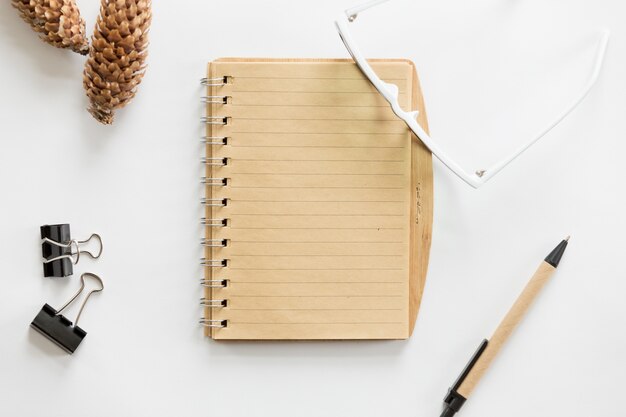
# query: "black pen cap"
[[555, 256]]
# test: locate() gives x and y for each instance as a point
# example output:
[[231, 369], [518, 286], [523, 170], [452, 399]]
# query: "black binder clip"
[[60, 252], [56, 327]]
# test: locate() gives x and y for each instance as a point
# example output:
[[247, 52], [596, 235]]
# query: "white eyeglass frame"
[[390, 93]]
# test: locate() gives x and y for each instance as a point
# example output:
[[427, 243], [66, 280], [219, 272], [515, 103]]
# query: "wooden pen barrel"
[[506, 327]]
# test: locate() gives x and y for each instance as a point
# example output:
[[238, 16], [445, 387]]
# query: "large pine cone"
[[117, 58], [57, 21]]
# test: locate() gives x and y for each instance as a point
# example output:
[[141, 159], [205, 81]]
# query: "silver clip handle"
[[80, 290], [74, 256]]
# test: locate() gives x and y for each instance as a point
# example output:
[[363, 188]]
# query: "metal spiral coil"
[[214, 202], [214, 82], [205, 302], [214, 283], [215, 162], [214, 243], [214, 181], [213, 222], [214, 263], [215, 120], [215, 140], [219, 324], [215, 99], [206, 242]]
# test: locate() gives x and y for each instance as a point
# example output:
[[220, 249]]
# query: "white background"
[[493, 72]]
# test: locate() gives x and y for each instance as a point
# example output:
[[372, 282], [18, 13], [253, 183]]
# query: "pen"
[[488, 349]]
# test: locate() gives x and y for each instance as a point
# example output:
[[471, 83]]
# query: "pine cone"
[[57, 21], [117, 58]]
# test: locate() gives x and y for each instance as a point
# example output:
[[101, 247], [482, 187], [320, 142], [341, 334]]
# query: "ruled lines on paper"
[[318, 174]]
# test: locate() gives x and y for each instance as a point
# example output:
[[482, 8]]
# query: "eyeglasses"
[[390, 93]]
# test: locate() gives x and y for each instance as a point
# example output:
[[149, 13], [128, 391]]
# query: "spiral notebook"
[[318, 202]]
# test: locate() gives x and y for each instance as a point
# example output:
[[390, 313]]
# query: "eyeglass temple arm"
[[494, 169], [480, 177], [354, 11]]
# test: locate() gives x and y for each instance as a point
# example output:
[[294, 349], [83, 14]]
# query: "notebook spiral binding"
[[215, 162], [215, 140], [215, 99], [214, 283], [205, 302], [214, 243], [207, 242], [215, 82], [214, 202], [214, 263], [213, 323], [213, 222], [216, 182], [215, 120]]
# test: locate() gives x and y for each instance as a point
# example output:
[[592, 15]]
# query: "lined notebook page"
[[318, 189]]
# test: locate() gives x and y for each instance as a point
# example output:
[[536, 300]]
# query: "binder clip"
[[59, 329], [60, 252]]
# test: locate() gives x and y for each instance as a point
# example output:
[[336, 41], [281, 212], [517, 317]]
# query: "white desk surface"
[[487, 67]]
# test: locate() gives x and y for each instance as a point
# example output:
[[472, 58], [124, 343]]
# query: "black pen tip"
[[555, 256]]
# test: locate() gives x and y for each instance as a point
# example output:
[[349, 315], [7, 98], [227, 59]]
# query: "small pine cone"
[[57, 21], [117, 58]]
